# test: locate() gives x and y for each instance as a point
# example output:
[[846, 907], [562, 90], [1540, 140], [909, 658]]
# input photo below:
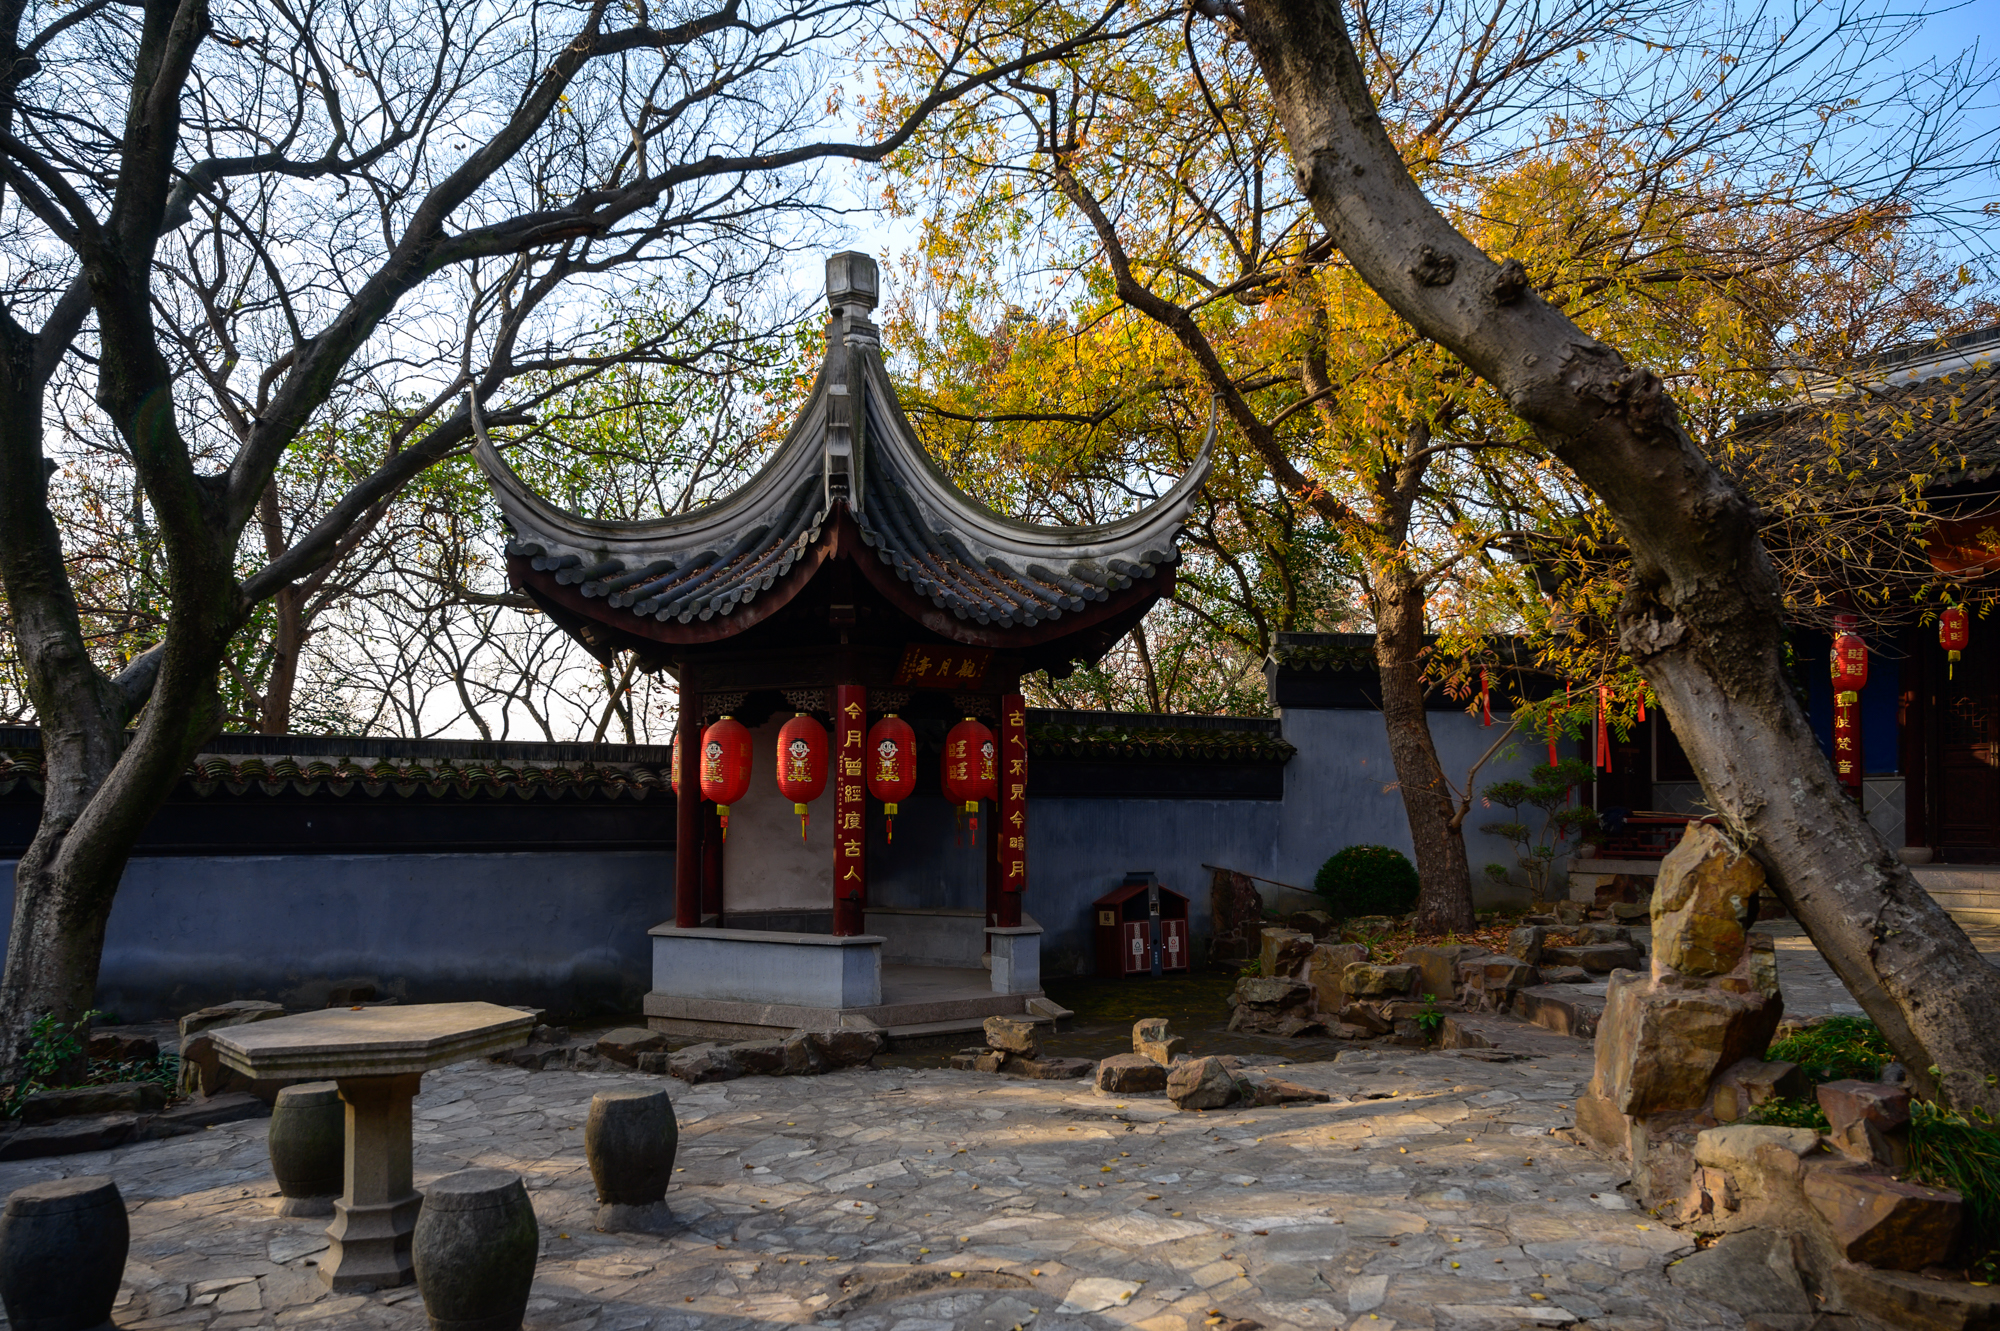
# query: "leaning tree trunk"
[[1445, 902], [81, 718], [1703, 618]]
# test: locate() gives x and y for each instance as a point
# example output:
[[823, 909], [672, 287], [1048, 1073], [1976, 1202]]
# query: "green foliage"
[[1785, 1112], [1431, 1020], [1368, 880], [1835, 1049], [1536, 851], [53, 1048], [1948, 1150], [1252, 968]]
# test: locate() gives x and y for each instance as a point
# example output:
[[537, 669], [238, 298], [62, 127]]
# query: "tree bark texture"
[[1445, 901], [1703, 619]]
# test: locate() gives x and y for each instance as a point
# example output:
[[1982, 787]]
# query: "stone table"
[[378, 1056]]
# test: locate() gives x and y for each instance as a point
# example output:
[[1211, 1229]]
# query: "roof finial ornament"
[[853, 287]]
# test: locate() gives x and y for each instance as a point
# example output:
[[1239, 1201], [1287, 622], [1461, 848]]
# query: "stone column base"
[[1016, 953]]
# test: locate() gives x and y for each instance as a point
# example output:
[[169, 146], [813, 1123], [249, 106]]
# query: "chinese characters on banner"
[[1847, 740], [943, 667], [850, 810], [1013, 811]]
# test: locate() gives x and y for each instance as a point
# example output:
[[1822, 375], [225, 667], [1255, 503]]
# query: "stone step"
[[1566, 1009], [1503, 1035]]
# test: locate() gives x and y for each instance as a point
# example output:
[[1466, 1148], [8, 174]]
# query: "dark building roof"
[[1935, 425], [852, 465]]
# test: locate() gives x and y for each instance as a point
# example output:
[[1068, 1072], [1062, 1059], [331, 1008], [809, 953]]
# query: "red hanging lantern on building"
[[725, 766], [802, 764], [1850, 676], [892, 766], [674, 765], [1954, 632], [971, 768]]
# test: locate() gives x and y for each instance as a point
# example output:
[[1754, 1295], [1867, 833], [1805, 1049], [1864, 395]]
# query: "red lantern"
[[674, 764], [971, 767], [801, 764], [1954, 632], [892, 765], [1850, 660], [725, 766]]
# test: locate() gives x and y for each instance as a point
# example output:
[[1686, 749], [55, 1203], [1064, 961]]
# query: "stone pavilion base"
[[742, 984]]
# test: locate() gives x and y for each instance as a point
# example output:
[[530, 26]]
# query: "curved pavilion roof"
[[850, 463]]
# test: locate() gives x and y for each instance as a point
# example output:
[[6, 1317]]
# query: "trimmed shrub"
[[1368, 880]]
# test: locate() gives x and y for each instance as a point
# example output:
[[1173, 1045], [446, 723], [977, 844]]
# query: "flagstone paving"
[[1430, 1193]]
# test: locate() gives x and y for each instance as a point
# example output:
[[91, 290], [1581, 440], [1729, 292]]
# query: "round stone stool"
[[62, 1254], [474, 1250], [309, 1147], [630, 1140]]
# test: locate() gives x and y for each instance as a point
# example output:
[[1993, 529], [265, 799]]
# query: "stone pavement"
[[1430, 1193]]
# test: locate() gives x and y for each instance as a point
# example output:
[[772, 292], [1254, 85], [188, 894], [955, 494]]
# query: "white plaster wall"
[[766, 866]]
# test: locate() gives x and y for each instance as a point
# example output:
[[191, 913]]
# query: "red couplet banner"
[[1013, 807], [850, 810]]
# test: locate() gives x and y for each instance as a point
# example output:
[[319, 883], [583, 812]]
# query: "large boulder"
[[125, 1097], [845, 1048], [1315, 922], [1324, 971], [1437, 967], [1701, 903], [1131, 1074], [1744, 1086], [626, 1043], [1203, 1083], [1525, 943], [1050, 1069], [703, 1062], [1014, 1035], [113, 1047], [1366, 980], [1273, 1007], [1152, 1039], [1284, 953], [1869, 1121], [1659, 1048], [1491, 982], [1881, 1221]]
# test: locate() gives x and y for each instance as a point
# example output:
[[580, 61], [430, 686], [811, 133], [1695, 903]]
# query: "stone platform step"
[[1504, 1034], [1566, 1009], [927, 1016], [1970, 893]]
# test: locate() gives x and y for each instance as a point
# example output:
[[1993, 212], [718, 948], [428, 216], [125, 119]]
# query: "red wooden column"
[[687, 807], [850, 811], [711, 860], [1013, 808]]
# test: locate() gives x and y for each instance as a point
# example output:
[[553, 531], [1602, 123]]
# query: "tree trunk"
[[80, 713], [1446, 899], [288, 641], [1703, 618]]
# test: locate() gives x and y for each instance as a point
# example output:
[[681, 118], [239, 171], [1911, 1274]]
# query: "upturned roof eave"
[[797, 460], [1154, 526]]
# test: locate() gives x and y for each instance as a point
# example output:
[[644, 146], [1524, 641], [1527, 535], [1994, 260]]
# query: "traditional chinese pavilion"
[[848, 581]]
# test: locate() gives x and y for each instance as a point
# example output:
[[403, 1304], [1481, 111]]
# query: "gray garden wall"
[[564, 931]]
